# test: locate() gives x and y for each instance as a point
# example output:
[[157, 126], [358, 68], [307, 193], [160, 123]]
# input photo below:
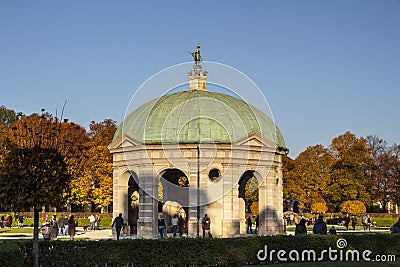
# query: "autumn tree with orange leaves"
[[333, 175]]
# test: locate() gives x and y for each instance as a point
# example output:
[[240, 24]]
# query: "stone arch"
[[133, 202], [174, 195], [253, 177]]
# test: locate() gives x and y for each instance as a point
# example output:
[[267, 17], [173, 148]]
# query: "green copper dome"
[[197, 116]]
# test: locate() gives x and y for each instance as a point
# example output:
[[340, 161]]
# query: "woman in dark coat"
[[301, 228], [71, 227]]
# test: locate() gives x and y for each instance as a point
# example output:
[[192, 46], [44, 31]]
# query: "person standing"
[[249, 225], [332, 231], [21, 221], [97, 223], [354, 222], [347, 221], [320, 226], [119, 223], [181, 224], [61, 225], [369, 222], [257, 223], [301, 228], [71, 227], [174, 222], [206, 223], [92, 221], [161, 226], [46, 230]]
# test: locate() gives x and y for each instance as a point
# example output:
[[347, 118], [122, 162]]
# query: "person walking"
[[364, 220], [71, 227], [320, 226], [301, 227], [119, 223], [174, 222], [161, 226]]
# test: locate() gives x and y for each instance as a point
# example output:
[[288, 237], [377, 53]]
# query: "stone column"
[[233, 206], [148, 193]]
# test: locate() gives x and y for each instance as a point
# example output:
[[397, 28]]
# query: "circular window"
[[214, 175]]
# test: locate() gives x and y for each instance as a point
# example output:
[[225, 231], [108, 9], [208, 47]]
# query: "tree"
[[387, 171], [319, 207], [352, 172], [34, 172], [308, 177], [101, 135], [353, 207], [8, 116]]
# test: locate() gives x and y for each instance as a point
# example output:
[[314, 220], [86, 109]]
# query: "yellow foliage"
[[353, 207], [254, 208], [319, 207]]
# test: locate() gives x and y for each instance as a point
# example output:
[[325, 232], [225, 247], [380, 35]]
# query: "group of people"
[[63, 226], [352, 219], [319, 227], [249, 223], [179, 225], [93, 222]]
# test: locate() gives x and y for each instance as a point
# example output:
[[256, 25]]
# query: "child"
[[125, 231]]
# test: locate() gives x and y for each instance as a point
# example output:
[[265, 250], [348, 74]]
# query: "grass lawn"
[[15, 230]]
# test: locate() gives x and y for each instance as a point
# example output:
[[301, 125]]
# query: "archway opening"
[[172, 196], [248, 192], [133, 202]]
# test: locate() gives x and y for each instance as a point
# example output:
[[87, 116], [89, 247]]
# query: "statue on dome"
[[196, 55]]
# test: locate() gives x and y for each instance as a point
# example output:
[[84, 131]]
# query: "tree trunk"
[[35, 237]]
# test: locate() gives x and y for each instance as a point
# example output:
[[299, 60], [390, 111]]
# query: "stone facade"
[[219, 199]]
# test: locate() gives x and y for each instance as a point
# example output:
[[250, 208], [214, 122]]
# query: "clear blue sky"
[[326, 67]]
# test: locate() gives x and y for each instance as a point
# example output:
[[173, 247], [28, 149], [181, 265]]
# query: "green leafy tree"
[[8, 116]]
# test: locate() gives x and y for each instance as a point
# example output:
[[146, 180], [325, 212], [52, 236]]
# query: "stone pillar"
[[233, 206], [148, 193]]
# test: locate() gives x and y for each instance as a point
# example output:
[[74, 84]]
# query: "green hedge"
[[10, 255], [194, 252], [384, 221]]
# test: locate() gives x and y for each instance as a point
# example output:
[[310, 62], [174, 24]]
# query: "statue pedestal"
[[197, 83]]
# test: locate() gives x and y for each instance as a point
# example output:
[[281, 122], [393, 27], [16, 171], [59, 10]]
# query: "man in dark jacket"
[[320, 226], [119, 223]]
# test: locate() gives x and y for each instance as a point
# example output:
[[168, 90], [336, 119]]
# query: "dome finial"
[[197, 80]]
